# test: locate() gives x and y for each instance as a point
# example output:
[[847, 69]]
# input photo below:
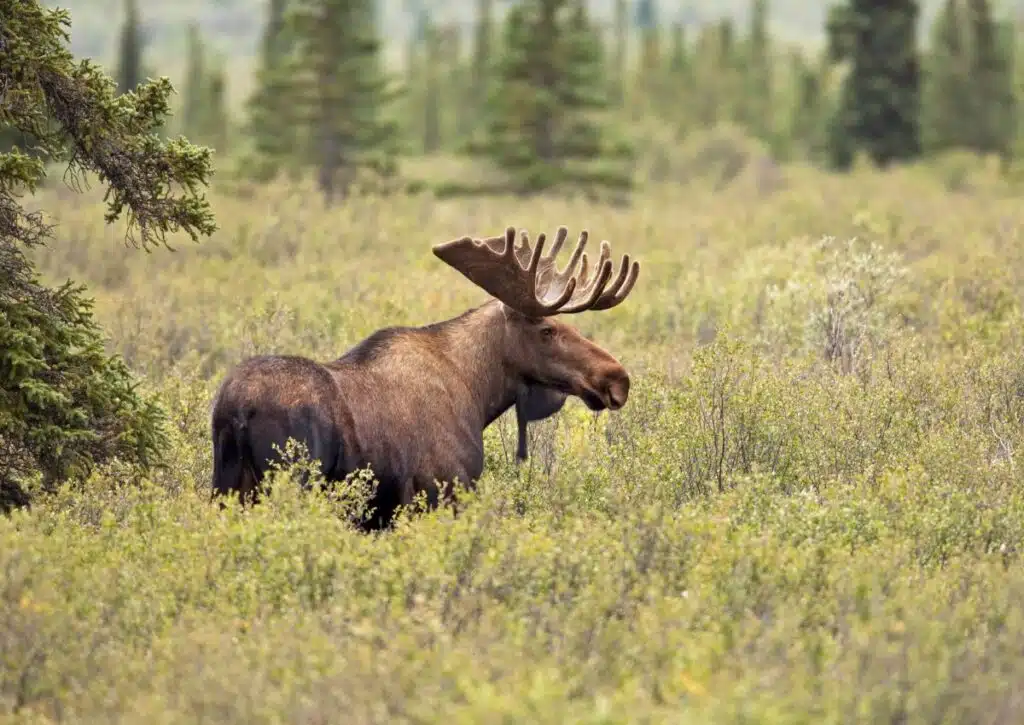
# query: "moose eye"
[[547, 332]]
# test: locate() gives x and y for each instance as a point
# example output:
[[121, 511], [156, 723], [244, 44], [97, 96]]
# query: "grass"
[[810, 510]]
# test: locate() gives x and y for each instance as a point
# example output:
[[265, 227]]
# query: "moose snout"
[[617, 389]]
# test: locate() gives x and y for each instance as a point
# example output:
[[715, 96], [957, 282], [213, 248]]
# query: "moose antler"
[[538, 289]]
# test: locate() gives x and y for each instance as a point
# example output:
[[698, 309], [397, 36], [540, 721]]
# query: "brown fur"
[[412, 403]]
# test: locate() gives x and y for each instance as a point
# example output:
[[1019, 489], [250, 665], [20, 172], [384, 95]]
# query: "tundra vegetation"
[[809, 511]]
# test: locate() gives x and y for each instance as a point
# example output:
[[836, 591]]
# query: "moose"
[[412, 403]]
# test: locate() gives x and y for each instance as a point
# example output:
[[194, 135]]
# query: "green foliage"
[[970, 96], [432, 72], [270, 117], [880, 104], [193, 116], [129, 66], [66, 406], [341, 93], [809, 115], [543, 125], [758, 98], [769, 531], [217, 115], [948, 81], [991, 103], [482, 70]]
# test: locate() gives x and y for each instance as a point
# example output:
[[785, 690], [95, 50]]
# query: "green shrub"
[[765, 533]]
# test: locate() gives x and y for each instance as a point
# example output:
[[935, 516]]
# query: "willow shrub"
[[809, 511]]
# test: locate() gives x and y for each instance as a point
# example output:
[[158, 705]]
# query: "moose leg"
[[390, 493]]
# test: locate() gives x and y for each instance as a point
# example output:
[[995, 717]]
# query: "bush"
[[764, 533]]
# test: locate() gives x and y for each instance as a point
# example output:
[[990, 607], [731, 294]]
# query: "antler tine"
[[527, 280], [590, 291], [560, 236], [594, 295], [614, 297], [550, 277], [500, 271]]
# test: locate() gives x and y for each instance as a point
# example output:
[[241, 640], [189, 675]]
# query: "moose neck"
[[475, 344]]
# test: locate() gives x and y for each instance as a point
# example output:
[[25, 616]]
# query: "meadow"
[[808, 512]]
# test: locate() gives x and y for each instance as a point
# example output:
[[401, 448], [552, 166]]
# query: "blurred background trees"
[[579, 94]]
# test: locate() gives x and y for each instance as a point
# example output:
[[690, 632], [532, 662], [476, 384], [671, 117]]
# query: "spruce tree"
[[483, 39], [679, 90], [620, 55], [458, 104], [757, 102], [880, 101], [271, 121], [991, 107], [193, 119], [431, 88], [129, 66], [542, 127], [649, 84], [678, 56], [807, 121], [215, 132], [67, 406], [709, 78], [947, 84], [342, 92], [729, 70]]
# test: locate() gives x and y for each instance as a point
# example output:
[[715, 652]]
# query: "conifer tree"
[[1014, 30], [458, 104], [649, 84], [620, 56], [729, 69], [193, 118], [947, 84], [129, 66], [679, 91], [678, 56], [708, 74], [880, 101], [215, 132], [757, 102], [342, 90], [431, 89], [483, 39], [67, 406], [991, 107], [807, 122], [542, 126], [271, 122], [650, 46]]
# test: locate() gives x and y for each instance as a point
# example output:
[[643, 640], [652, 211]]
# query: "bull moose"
[[411, 403]]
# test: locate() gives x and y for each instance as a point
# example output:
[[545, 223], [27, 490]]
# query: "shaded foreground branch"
[[65, 405]]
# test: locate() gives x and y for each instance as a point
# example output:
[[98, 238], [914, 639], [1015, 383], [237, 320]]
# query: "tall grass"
[[809, 511]]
